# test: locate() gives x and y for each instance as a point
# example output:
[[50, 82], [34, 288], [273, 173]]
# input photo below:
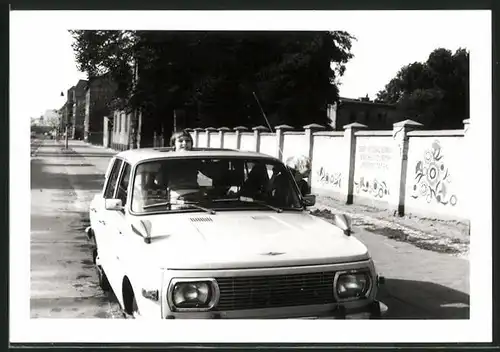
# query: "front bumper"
[[374, 310]]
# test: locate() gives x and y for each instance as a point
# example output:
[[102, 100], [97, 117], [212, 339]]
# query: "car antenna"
[[270, 128], [262, 111], [265, 117]]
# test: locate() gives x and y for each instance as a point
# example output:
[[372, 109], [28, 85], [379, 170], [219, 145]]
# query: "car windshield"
[[208, 183]]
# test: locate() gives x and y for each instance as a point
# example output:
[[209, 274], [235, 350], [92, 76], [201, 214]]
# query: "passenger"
[[181, 141], [300, 167], [183, 178]]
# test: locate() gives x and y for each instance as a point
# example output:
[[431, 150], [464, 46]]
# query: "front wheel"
[[131, 310]]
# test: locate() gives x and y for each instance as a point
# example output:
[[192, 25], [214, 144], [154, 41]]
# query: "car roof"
[[134, 156]]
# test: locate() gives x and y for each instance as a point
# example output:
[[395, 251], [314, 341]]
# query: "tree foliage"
[[211, 77], [435, 92]]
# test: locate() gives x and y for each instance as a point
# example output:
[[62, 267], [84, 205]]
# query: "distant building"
[[377, 116], [63, 113], [74, 110], [98, 96]]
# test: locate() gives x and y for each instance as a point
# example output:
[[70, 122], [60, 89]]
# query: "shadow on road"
[[41, 179], [72, 155], [409, 299], [66, 164]]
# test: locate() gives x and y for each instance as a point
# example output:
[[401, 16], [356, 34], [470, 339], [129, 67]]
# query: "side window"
[[123, 185], [113, 177]]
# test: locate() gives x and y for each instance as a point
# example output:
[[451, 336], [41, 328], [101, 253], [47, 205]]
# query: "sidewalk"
[[97, 155], [451, 237]]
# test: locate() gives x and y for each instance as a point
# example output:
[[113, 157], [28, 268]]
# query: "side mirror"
[[343, 222], [309, 200], [113, 204]]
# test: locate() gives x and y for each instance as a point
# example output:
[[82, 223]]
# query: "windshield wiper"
[[247, 200], [194, 205]]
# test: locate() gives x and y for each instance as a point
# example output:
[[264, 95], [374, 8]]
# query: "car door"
[[96, 206], [105, 227], [117, 226]]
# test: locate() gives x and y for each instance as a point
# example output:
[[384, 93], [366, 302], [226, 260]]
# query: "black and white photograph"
[[278, 171]]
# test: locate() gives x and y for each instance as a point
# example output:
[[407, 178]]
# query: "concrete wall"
[[230, 140], [202, 141], [327, 161], [268, 144], [436, 180], [403, 170], [120, 133], [372, 176], [294, 143], [214, 140], [247, 141]]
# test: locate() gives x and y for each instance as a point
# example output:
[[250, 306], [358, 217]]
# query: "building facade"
[[98, 95], [74, 110], [377, 116]]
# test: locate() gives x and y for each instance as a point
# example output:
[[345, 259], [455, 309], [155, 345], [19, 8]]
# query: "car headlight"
[[352, 285], [193, 294]]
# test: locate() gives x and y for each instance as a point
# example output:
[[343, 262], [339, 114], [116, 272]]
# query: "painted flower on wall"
[[432, 178], [376, 187]]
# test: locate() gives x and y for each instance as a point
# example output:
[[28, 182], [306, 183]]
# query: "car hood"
[[247, 239]]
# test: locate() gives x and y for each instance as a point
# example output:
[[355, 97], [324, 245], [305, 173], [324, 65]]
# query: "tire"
[[94, 256], [91, 237], [375, 311], [103, 280], [135, 308], [131, 309]]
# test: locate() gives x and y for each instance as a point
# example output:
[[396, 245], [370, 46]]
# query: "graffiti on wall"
[[333, 179], [432, 178], [375, 187]]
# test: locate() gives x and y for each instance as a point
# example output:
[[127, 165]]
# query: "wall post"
[[196, 137], [400, 165], [310, 129], [256, 136], [207, 131], [222, 131], [347, 184], [468, 197], [280, 139], [238, 130]]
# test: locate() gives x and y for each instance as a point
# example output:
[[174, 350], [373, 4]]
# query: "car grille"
[[253, 292]]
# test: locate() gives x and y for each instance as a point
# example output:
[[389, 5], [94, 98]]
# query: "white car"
[[218, 233]]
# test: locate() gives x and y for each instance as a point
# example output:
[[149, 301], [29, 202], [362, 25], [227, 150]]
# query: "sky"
[[43, 63]]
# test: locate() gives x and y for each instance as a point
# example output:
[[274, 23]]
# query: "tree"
[[435, 92], [213, 77]]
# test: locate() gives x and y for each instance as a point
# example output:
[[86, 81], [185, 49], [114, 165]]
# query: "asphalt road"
[[420, 284]]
